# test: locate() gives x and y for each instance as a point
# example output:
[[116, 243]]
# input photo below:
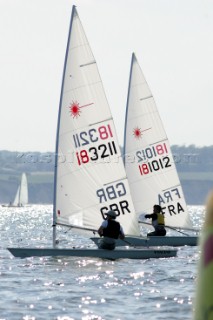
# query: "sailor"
[[158, 221], [110, 230]]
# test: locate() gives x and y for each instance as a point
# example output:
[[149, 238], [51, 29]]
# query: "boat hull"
[[94, 253], [11, 206], [156, 241]]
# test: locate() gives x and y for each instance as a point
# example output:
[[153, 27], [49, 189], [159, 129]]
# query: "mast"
[[127, 104], [58, 128]]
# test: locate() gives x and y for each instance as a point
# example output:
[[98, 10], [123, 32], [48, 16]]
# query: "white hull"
[[11, 206], [94, 253], [177, 241]]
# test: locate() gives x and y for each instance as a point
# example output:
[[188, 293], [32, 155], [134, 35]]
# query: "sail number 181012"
[[153, 158]]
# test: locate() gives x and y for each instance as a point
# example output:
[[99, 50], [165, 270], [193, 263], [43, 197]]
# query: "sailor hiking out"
[[158, 221], [110, 230]]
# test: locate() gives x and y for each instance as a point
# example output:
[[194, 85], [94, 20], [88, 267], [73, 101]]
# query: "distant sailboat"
[[21, 197], [149, 163], [89, 179]]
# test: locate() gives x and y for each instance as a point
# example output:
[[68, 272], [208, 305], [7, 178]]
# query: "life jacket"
[[112, 230], [160, 220]]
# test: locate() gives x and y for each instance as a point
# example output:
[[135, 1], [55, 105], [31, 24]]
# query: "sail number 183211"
[[97, 144], [101, 151], [92, 135]]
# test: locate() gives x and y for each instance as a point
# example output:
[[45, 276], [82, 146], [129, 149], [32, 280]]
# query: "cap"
[[157, 207], [111, 214]]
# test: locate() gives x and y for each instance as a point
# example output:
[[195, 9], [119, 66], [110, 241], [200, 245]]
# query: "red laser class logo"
[[75, 109], [137, 132]]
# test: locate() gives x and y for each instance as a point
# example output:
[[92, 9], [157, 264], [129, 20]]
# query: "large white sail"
[[149, 163], [90, 177]]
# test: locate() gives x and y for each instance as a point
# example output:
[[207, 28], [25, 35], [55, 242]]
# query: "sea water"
[[88, 288]]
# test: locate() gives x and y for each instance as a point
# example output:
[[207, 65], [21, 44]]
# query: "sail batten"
[[87, 64], [145, 98]]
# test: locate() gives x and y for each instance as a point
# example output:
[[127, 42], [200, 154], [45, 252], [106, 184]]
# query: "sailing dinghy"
[[150, 167], [90, 177], [21, 197]]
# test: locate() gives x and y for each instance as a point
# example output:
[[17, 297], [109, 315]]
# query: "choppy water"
[[88, 289]]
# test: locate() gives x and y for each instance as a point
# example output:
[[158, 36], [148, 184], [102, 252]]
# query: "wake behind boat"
[[150, 166], [89, 181]]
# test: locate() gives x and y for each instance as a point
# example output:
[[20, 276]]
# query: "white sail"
[[21, 197], [90, 177], [16, 200], [149, 163]]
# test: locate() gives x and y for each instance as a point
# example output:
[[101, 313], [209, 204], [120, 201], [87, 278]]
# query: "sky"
[[172, 40]]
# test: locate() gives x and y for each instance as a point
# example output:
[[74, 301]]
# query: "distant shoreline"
[[194, 166]]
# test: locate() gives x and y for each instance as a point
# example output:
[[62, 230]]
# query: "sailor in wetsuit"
[[157, 221], [110, 230]]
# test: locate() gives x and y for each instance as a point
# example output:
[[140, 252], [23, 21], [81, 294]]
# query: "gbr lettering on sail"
[[113, 192]]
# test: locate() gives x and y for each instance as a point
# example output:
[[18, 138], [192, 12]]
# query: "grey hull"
[[95, 253], [156, 241]]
